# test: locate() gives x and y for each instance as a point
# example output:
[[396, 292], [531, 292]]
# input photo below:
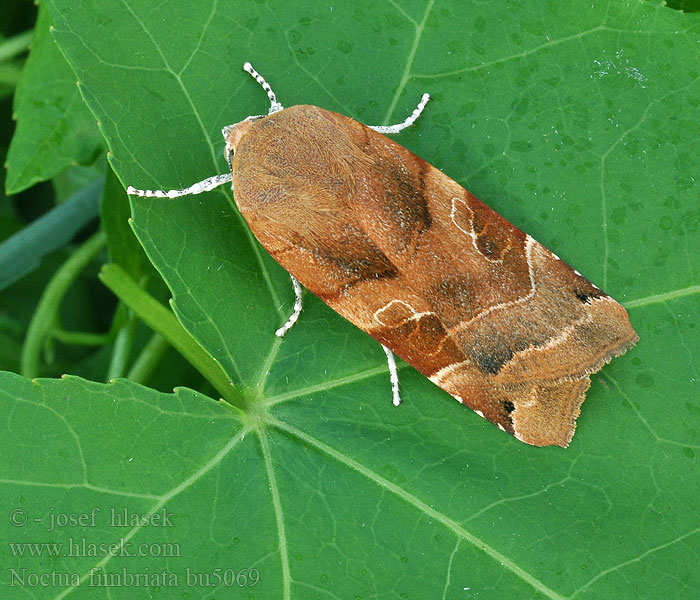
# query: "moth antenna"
[[407, 122], [297, 309], [196, 188], [274, 105], [393, 375]]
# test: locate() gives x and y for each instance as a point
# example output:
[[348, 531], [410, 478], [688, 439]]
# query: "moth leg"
[[393, 375], [274, 105], [201, 186], [297, 309], [407, 122]]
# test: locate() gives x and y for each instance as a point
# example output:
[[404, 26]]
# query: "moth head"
[[233, 134]]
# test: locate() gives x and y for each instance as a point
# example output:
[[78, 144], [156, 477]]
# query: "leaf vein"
[[279, 515], [162, 501], [634, 560], [420, 27], [431, 512]]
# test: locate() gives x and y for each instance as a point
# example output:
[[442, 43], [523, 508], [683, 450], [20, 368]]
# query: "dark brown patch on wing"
[[356, 255], [394, 206], [491, 360], [404, 195]]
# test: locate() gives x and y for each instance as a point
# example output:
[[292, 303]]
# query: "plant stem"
[[148, 359], [122, 342], [46, 311], [162, 321], [15, 45], [80, 338]]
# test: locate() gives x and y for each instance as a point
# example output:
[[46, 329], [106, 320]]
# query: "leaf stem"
[[16, 45], [162, 321], [80, 338], [148, 359], [123, 338], [46, 311]]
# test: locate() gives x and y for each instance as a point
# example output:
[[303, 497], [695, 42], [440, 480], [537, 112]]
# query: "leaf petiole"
[[164, 322]]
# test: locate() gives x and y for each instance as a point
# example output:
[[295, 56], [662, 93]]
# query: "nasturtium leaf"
[[54, 127], [114, 212]]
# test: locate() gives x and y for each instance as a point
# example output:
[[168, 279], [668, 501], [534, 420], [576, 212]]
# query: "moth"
[[416, 261]]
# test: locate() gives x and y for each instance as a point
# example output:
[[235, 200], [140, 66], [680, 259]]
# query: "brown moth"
[[416, 261]]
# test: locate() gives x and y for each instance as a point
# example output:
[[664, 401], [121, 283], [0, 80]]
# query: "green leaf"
[[124, 249], [579, 124], [54, 127], [122, 457]]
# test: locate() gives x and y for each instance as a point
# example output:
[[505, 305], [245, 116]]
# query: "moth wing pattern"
[[412, 258]]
